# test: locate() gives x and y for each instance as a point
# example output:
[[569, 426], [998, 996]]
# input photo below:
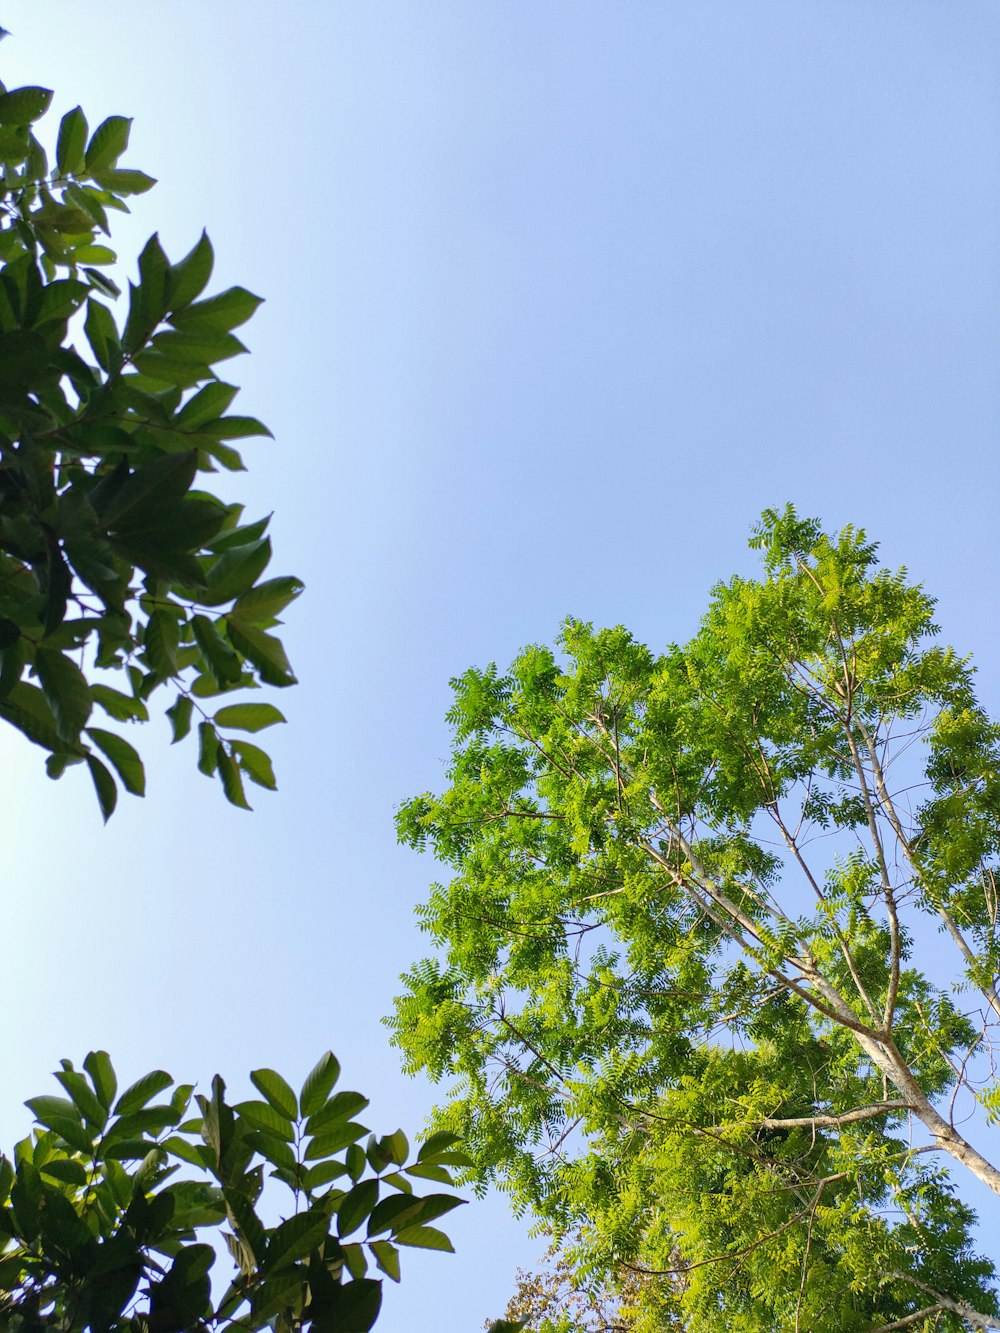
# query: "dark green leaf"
[[262, 650], [219, 313], [296, 1237], [206, 405], [387, 1258], [425, 1238], [124, 759], [340, 1107], [191, 274], [148, 487], [438, 1142], [222, 662], [21, 106], [319, 1083], [67, 1169], [356, 1206], [262, 1115], [161, 636], [84, 1098], [66, 689], [326, 1144], [261, 604], [98, 1065], [180, 717], [122, 707], [277, 1092], [104, 785], [135, 1097], [235, 571], [351, 1308], [208, 749], [232, 782], [107, 144]]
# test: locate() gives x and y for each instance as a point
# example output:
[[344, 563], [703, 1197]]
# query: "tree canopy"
[[715, 978], [119, 573], [98, 1230]]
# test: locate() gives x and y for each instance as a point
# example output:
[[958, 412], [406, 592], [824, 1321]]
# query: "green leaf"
[[232, 782], [262, 650], [122, 707], [192, 273], [221, 660], [160, 640], [148, 487], [66, 1169], [102, 1074], [262, 1115], [126, 181], [398, 1211], [142, 1091], [208, 749], [219, 313], [296, 1238], [324, 1145], [180, 717], [107, 144], [277, 1092], [350, 1308], [66, 689], [24, 105], [425, 1238], [124, 759], [248, 717], [71, 144], [202, 349], [206, 405], [356, 1206], [235, 428], [387, 1258], [262, 604], [26, 708], [102, 334], [339, 1108], [319, 1083], [235, 571], [322, 1173], [255, 763], [430, 1171], [84, 1099], [104, 785], [436, 1143]]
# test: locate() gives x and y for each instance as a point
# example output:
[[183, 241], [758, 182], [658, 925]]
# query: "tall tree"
[[114, 562], [716, 969]]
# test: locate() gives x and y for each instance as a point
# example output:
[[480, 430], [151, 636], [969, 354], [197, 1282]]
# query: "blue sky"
[[559, 296]]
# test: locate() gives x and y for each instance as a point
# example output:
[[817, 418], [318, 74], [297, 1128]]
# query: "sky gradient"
[[558, 297]]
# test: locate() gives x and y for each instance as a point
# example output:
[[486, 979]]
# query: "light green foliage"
[[716, 965], [113, 559], [107, 1211]]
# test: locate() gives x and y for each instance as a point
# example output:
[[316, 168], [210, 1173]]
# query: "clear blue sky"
[[559, 296]]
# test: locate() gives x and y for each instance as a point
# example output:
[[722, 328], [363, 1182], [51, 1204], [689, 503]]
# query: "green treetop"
[[716, 970]]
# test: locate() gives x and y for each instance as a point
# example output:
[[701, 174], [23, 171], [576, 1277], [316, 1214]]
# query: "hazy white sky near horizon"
[[559, 296]]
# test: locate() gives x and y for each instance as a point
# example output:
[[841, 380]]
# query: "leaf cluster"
[[104, 1227], [114, 560]]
